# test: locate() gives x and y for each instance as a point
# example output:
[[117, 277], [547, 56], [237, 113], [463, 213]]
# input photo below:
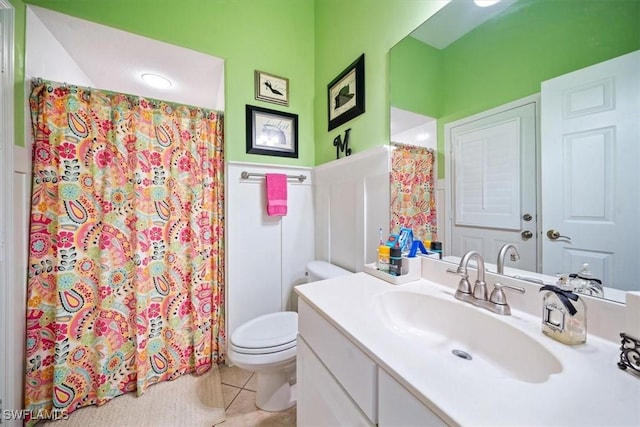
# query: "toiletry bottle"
[[384, 253], [584, 283], [395, 263], [437, 247], [564, 314], [580, 280]]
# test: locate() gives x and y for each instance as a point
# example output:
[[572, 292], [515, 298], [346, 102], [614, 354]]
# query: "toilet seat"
[[270, 333]]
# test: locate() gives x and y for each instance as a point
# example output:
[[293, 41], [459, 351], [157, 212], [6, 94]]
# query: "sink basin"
[[449, 328]]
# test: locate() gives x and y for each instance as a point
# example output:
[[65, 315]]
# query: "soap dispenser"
[[564, 314]]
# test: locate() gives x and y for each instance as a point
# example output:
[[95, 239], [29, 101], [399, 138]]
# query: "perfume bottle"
[[564, 314], [585, 283]]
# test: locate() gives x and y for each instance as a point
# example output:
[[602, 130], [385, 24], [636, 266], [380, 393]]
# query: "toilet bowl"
[[267, 346]]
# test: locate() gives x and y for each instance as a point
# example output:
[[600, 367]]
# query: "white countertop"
[[590, 391]]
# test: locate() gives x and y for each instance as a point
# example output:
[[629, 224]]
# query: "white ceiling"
[[114, 60], [402, 120], [455, 20]]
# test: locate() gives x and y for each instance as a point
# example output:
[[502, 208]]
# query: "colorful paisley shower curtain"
[[126, 245], [412, 191]]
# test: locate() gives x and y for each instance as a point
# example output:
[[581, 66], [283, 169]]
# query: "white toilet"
[[267, 345]]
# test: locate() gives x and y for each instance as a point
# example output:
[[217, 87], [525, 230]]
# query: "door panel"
[[494, 184], [488, 176], [590, 154]]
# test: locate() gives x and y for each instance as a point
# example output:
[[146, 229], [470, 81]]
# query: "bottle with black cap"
[[437, 248], [395, 261]]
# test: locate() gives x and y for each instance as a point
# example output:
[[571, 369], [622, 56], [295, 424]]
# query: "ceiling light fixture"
[[485, 3], [156, 80]]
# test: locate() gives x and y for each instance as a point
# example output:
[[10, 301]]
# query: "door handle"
[[555, 235], [526, 235]]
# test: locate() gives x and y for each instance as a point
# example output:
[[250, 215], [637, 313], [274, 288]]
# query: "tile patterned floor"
[[239, 393]]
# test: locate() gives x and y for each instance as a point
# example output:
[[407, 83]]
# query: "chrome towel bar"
[[247, 175]]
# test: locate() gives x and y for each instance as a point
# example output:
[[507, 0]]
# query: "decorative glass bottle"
[[584, 283], [564, 314]]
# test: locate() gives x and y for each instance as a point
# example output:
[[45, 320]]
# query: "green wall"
[[540, 40], [507, 58], [18, 75], [312, 41], [274, 36], [417, 69], [344, 29], [308, 41]]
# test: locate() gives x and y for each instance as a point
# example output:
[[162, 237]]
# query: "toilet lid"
[[266, 334]]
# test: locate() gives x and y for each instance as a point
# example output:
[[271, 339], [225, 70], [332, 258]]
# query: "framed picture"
[[271, 132], [272, 88], [346, 94]]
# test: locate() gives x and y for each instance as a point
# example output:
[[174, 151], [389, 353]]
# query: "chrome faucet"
[[497, 302], [464, 291], [515, 256]]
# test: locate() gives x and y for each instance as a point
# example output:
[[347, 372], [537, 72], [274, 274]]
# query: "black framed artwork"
[[346, 94], [271, 132]]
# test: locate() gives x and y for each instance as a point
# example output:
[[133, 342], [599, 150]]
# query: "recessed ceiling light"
[[485, 3], [156, 80], [423, 136]]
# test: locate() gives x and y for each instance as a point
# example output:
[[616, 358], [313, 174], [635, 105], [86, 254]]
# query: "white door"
[[590, 159], [494, 183]]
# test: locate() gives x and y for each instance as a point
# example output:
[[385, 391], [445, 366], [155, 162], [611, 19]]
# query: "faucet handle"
[[480, 290], [498, 296], [464, 287]]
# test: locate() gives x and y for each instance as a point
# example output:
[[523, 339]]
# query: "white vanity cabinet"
[[332, 374], [397, 407], [339, 385], [321, 399], [360, 362]]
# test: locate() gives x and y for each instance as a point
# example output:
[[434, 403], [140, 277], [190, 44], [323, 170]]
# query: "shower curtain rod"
[[247, 175]]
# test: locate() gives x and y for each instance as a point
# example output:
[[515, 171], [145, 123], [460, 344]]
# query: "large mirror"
[[468, 63]]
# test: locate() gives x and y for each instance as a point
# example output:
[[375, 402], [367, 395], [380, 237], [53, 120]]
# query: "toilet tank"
[[321, 270]]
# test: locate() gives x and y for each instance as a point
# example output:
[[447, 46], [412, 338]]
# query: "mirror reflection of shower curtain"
[[412, 191], [126, 254]]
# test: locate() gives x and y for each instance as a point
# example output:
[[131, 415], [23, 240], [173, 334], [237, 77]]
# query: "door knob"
[[555, 235], [526, 234]]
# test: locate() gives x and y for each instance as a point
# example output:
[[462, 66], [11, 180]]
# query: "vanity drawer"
[[353, 369]]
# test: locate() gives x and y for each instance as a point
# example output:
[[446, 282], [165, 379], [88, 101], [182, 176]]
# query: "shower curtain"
[[412, 191], [126, 257]]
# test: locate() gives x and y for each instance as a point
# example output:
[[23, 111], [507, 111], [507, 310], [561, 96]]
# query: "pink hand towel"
[[276, 194]]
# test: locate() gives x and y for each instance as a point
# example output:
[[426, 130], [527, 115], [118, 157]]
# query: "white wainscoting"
[[351, 205], [266, 255]]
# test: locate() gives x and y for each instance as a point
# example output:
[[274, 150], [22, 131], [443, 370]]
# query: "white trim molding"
[[11, 372]]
